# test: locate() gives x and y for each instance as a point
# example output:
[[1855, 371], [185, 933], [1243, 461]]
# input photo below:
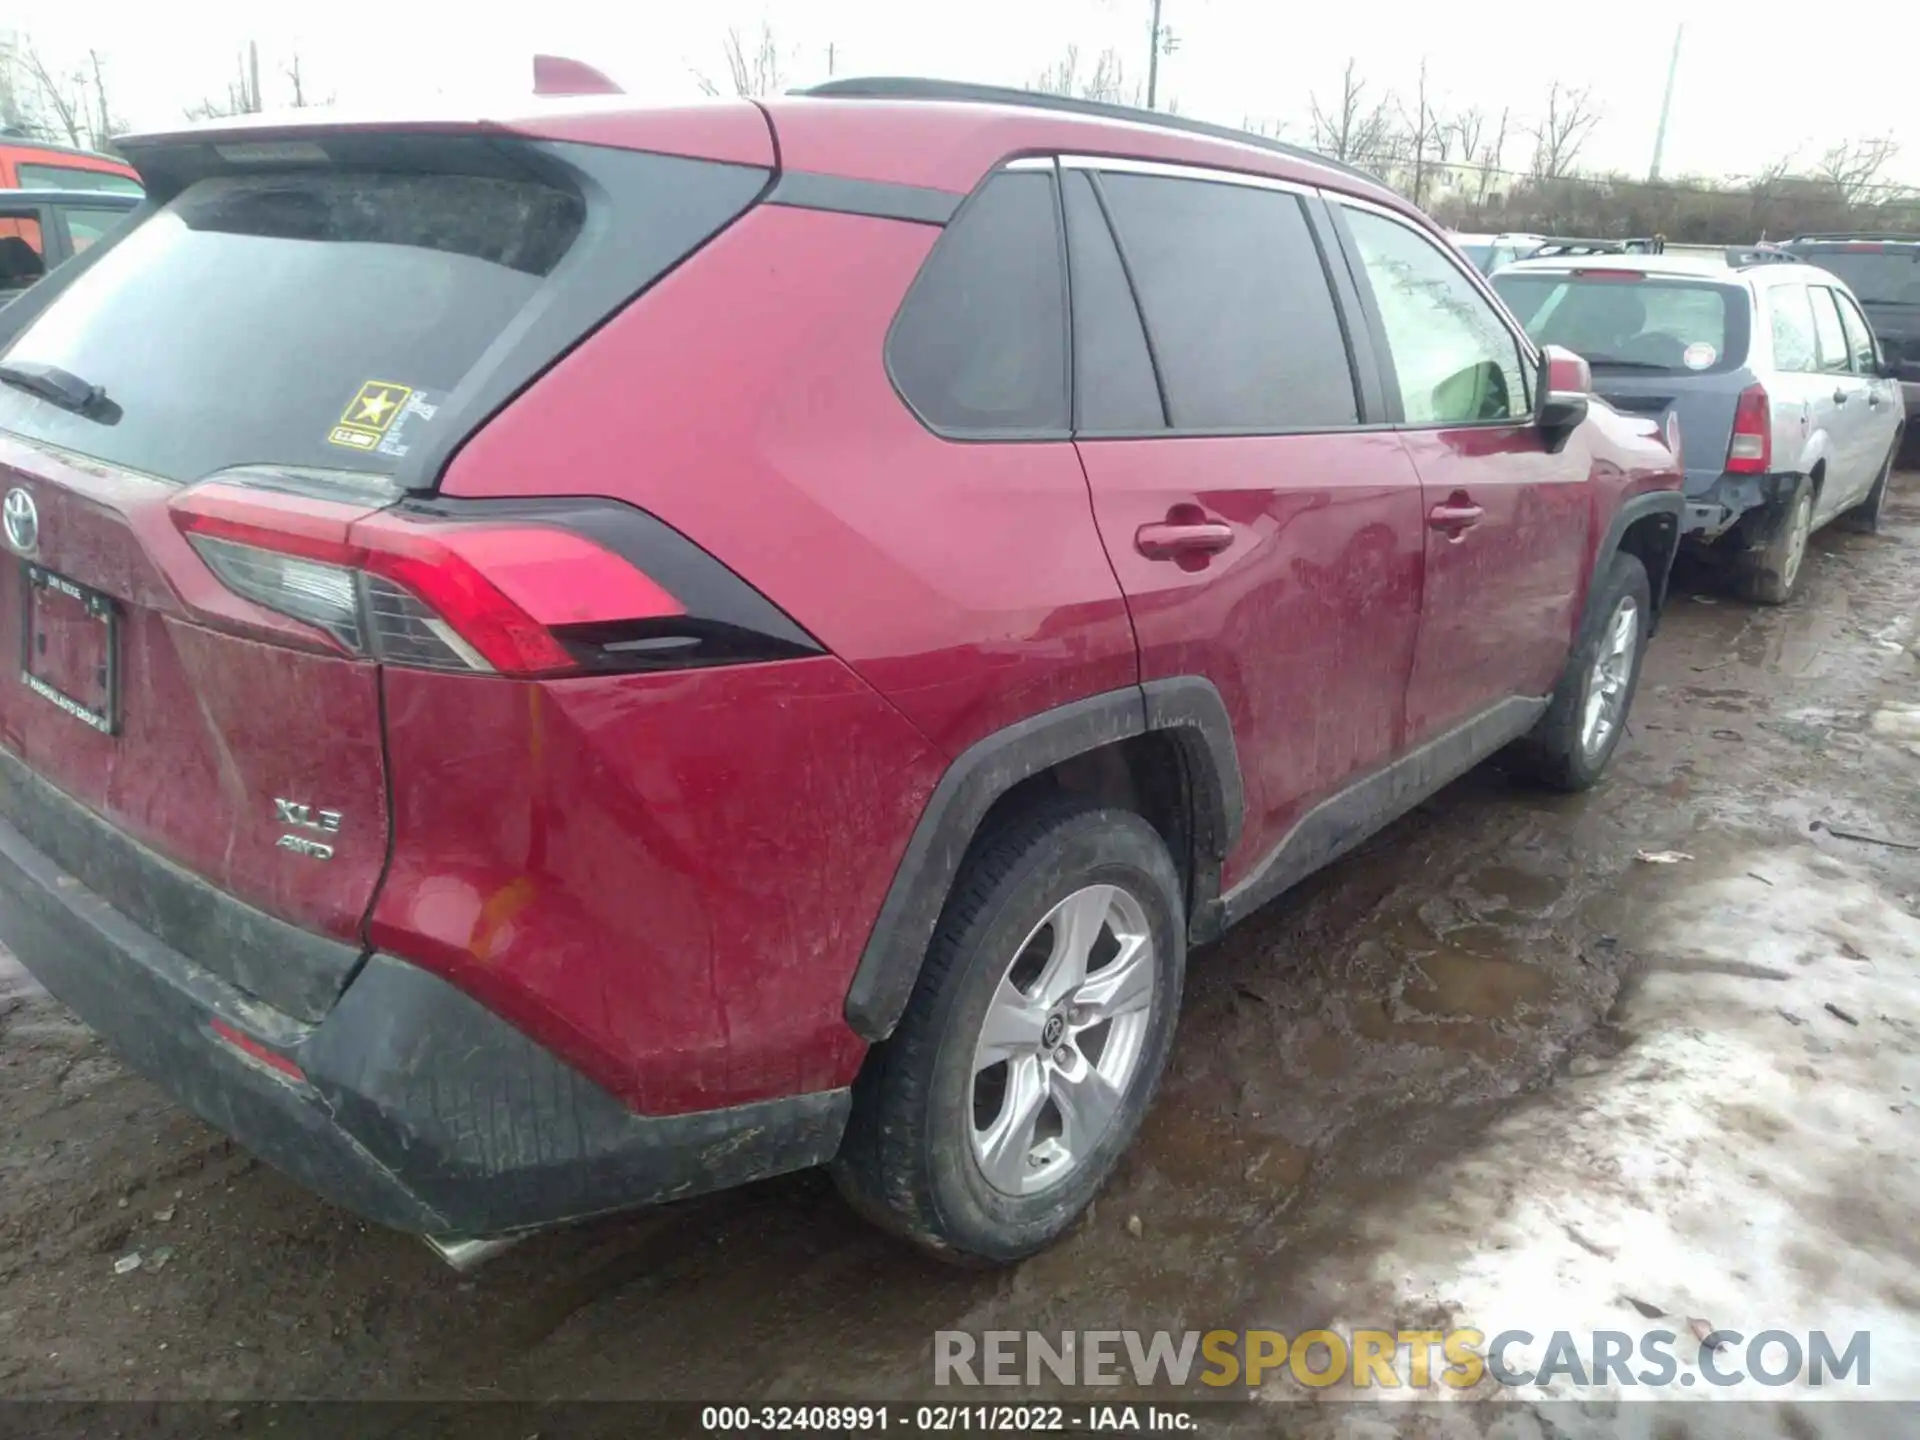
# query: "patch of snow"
[[1749, 1159]]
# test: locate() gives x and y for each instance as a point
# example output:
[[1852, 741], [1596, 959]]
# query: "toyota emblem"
[[22, 519]]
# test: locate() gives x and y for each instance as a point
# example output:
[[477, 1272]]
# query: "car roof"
[[94, 199], [934, 134]]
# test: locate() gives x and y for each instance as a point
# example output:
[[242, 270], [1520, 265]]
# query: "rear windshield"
[[311, 319], [1887, 277], [1632, 323]]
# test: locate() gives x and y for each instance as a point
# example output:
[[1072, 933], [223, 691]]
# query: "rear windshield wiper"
[[55, 386]]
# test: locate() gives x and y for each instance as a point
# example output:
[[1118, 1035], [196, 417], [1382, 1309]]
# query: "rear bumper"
[[1715, 502], [419, 1108]]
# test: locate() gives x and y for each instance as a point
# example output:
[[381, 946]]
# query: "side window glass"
[[980, 345], [1236, 303], [1112, 369], [1454, 360], [1794, 346], [1860, 344], [1834, 355]]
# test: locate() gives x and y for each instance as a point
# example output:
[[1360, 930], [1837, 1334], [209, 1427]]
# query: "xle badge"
[[326, 822], [369, 414]]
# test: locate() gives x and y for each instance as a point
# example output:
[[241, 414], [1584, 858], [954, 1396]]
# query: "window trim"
[[1846, 366], [1139, 316], [1843, 302], [1528, 353]]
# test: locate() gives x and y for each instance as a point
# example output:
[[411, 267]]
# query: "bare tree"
[[243, 91], [1105, 81], [62, 98], [1854, 167], [1490, 158], [1465, 131], [1349, 129], [750, 72], [1423, 127], [1562, 131]]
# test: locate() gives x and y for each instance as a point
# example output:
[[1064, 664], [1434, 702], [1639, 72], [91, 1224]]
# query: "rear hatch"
[[1885, 276], [1657, 343], [201, 434]]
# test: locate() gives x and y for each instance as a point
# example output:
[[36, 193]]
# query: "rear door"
[[1801, 394], [1884, 406], [1846, 394], [1507, 523], [1266, 535]]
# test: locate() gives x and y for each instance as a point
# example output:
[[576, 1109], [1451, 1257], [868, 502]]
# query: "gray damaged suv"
[[1790, 416]]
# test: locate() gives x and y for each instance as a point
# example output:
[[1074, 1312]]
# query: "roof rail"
[[897, 87]]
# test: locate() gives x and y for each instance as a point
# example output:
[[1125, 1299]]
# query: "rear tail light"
[[512, 588], [1750, 452], [1633, 276]]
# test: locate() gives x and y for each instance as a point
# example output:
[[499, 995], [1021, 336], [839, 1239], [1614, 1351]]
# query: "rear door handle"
[[1455, 516], [1840, 397], [1169, 540]]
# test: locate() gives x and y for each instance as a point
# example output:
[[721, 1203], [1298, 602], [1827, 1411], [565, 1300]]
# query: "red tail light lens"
[[1750, 452], [507, 591]]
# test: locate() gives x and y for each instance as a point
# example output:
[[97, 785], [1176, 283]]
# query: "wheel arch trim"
[[1187, 710], [1649, 504]]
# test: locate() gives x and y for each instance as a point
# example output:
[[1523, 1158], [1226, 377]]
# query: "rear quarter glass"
[[1681, 326], [406, 306]]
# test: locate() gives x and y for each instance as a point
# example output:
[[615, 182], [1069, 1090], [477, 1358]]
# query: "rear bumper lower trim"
[[421, 1110]]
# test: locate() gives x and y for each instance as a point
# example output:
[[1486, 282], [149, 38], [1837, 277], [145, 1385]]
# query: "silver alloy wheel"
[[1802, 523], [1061, 1040], [1607, 683]]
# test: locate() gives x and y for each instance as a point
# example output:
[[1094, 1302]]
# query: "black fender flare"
[[1670, 503], [1187, 709]]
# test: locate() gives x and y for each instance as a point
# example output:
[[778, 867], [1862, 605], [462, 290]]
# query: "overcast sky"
[[1748, 90]]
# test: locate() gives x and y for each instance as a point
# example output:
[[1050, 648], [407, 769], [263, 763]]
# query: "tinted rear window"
[[1888, 277], [74, 177], [1676, 325], [1236, 302], [314, 320]]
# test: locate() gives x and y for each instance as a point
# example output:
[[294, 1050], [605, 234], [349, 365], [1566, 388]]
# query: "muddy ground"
[[1337, 1053]]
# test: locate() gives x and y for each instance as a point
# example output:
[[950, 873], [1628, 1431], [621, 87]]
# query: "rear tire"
[[1570, 747], [1771, 571], [947, 1144], [1864, 518]]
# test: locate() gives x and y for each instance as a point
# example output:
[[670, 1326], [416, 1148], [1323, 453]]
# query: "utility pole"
[[253, 75], [1666, 104], [829, 59], [1153, 58]]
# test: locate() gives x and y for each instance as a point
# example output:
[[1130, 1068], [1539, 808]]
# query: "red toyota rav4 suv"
[[572, 661]]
